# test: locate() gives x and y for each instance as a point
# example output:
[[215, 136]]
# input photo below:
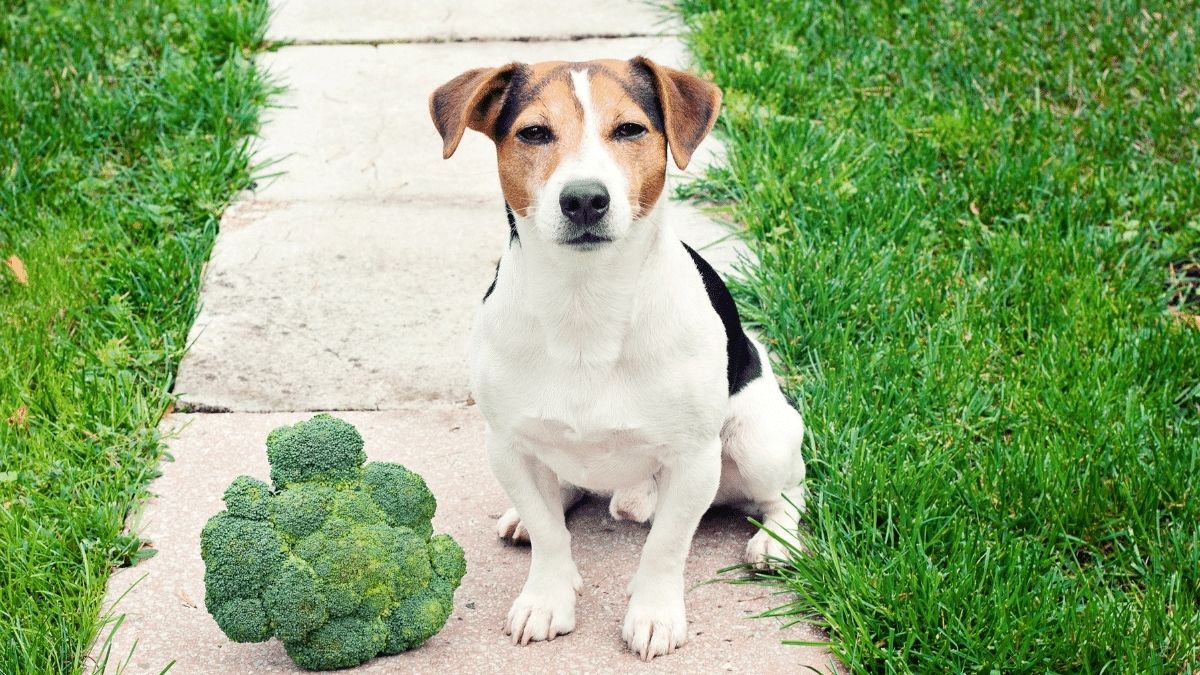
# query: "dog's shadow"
[[599, 540]]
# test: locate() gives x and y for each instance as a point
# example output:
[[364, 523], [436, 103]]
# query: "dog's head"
[[582, 147]]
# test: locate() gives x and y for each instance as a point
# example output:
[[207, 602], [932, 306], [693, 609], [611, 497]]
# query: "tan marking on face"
[[548, 99], [644, 160], [525, 167]]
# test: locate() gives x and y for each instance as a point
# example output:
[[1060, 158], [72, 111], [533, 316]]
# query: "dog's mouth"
[[587, 241]]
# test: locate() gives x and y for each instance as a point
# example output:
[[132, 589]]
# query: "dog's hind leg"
[[762, 468], [635, 503], [512, 530], [780, 518]]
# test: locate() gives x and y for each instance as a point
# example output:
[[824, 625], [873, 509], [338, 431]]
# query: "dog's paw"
[[636, 503], [511, 529], [655, 624], [764, 551], [542, 614]]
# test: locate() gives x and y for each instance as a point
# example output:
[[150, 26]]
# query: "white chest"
[[601, 459], [608, 382], [599, 428]]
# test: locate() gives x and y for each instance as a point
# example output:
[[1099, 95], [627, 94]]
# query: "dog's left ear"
[[470, 100], [689, 105]]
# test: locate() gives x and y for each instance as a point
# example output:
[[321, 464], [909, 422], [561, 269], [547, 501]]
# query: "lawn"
[[974, 221], [121, 140]]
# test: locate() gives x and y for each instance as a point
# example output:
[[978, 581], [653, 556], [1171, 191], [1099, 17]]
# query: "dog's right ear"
[[472, 100], [689, 106]]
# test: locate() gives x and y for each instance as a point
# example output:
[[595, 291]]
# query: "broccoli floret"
[[246, 497], [339, 562], [301, 509], [401, 494], [324, 446], [295, 600], [241, 558], [420, 616], [244, 620], [341, 643], [447, 557]]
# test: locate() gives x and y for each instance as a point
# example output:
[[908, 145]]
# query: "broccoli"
[[338, 560]]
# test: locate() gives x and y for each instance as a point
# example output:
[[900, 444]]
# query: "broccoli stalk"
[[338, 561]]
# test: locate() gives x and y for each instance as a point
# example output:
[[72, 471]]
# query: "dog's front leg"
[[656, 622], [546, 606]]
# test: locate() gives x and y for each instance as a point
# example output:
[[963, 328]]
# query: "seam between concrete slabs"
[[413, 405], [465, 39], [184, 408], [280, 45]]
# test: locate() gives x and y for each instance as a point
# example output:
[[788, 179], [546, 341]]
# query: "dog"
[[607, 356]]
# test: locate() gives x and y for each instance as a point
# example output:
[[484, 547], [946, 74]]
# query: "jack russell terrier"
[[608, 356]]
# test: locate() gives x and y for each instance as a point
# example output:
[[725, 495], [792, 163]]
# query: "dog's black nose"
[[584, 202]]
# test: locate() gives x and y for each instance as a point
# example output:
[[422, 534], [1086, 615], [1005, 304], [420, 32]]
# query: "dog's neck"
[[585, 302]]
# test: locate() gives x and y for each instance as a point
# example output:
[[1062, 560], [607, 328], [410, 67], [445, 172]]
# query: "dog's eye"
[[629, 130], [535, 134]]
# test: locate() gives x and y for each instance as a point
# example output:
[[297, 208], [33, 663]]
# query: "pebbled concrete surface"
[[165, 615], [340, 305], [472, 20]]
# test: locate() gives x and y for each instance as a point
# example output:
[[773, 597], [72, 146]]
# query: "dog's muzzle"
[[584, 204]]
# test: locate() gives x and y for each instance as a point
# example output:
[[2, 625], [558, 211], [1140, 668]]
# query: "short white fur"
[[605, 371]]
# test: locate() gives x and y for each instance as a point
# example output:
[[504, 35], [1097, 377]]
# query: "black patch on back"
[[744, 365]]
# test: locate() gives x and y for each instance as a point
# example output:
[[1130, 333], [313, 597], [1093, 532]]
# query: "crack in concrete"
[[376, 42], [188, 407], [414, 404]]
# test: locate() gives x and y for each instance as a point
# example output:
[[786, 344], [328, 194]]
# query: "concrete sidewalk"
[[347, 283]]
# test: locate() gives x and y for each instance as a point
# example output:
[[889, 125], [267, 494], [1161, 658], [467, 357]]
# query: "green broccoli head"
[[322, 446], [339, 562]]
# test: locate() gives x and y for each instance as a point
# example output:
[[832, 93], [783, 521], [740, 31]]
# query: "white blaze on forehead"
[[582, 84], [590, 159]]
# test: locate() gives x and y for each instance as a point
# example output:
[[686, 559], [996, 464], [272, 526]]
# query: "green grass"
[[966, 214], [121, 140]]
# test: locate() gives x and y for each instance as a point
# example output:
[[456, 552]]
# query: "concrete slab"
[[164, 609], [354, 120], [352, 306], [339, 305], [420, 20]]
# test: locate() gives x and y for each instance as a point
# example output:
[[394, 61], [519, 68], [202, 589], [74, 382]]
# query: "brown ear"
[[469, 100], [689, 105]]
